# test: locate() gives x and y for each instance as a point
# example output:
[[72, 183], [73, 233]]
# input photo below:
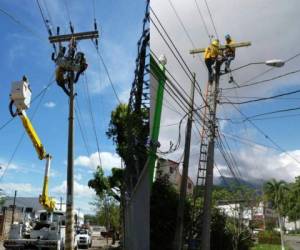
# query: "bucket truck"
[[48, 231]]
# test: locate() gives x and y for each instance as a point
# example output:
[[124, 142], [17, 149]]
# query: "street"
[[293, 241], [97, 244]]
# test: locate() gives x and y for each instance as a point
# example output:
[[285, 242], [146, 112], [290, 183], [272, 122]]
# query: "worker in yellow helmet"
[[229, 52], [210, 55]]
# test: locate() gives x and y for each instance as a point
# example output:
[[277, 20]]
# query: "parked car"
[[84, 238]]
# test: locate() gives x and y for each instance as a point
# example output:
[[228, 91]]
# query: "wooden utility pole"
[[14, 208], [212, 108], [178, 242], [69, 239]]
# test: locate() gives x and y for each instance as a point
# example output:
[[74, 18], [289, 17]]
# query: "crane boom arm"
[[33, 136], [21, 98], [47, 202]]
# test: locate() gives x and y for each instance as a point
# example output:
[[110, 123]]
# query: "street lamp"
[[272, 63]]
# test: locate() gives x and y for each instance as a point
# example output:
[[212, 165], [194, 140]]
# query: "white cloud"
[[108, 159], [80, 190], [20, 187], [50, 104], [124, 96], [78, 177]]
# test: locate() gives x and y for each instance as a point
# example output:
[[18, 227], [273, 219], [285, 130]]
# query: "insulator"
[[95, 25], [71, 28]]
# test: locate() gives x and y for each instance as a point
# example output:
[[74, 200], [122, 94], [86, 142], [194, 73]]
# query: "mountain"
[[229, 181]]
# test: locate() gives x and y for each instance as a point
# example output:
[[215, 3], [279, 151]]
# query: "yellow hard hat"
[[215, 43]]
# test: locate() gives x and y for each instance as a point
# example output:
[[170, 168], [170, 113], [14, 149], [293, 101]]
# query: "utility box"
[[21, 94]]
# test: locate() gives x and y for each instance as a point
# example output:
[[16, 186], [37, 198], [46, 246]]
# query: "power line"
[[246, 141], [78, 116], [257, 97], [272, 112], [263, 81], [108, 75], [262, 98], [92, 118], [202, 19], [182, 25], [21, 24], [185, 67], [268, 70], [265, 135], [211, 18]]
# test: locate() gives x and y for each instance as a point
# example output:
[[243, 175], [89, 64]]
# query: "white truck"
[[47, 232], [84, 238]]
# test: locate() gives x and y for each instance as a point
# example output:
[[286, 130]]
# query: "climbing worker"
[[68, 64], [61, 72], [210, 55], [229, 52], [80, 60]]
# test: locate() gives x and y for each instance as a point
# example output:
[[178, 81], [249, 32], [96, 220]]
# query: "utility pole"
[[178, 242], [212, 108], [70, 171], [14, 208], [69, 239], [60, 206]]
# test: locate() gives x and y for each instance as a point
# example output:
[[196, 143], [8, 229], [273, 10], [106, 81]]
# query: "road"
[[293, 241], [97, 245]]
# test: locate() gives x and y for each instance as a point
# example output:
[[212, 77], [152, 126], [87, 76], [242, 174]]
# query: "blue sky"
[[272, 27], [120, 25]]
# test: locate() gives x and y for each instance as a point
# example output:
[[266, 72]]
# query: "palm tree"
[[275, 192]]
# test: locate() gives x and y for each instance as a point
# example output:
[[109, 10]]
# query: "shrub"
[[269, 237]]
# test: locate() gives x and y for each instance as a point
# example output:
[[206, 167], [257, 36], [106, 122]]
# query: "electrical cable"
[[202, 19], [266, 71], [263, 81], [182, 25], [78, 115], [190, 74], [92, 119], [265, 135], [108, 75], [211, 18], [22, 25], [263, 98], [272, 112]]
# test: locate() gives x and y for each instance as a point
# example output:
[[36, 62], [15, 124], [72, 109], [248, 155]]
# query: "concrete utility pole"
[[178, 242], [70, 171], [69, 239], [14, 208], [205, 234], [212, 103]]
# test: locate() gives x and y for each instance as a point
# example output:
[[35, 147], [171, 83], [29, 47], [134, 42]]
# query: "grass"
[[268, 247]]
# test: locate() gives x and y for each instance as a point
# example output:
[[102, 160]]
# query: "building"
[[255, 216], [169, 168]]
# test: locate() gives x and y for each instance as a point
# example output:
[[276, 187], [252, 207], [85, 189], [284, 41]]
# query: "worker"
[[229, 52], [80, 59], [68, 64], [210, 55]]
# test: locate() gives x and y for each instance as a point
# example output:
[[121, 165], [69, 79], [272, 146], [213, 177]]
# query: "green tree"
[[163, 213], [275, 192]]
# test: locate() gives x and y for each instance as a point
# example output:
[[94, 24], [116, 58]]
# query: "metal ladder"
[[202, 164]]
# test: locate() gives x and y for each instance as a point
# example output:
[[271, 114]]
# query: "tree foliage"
[[108, 185]]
